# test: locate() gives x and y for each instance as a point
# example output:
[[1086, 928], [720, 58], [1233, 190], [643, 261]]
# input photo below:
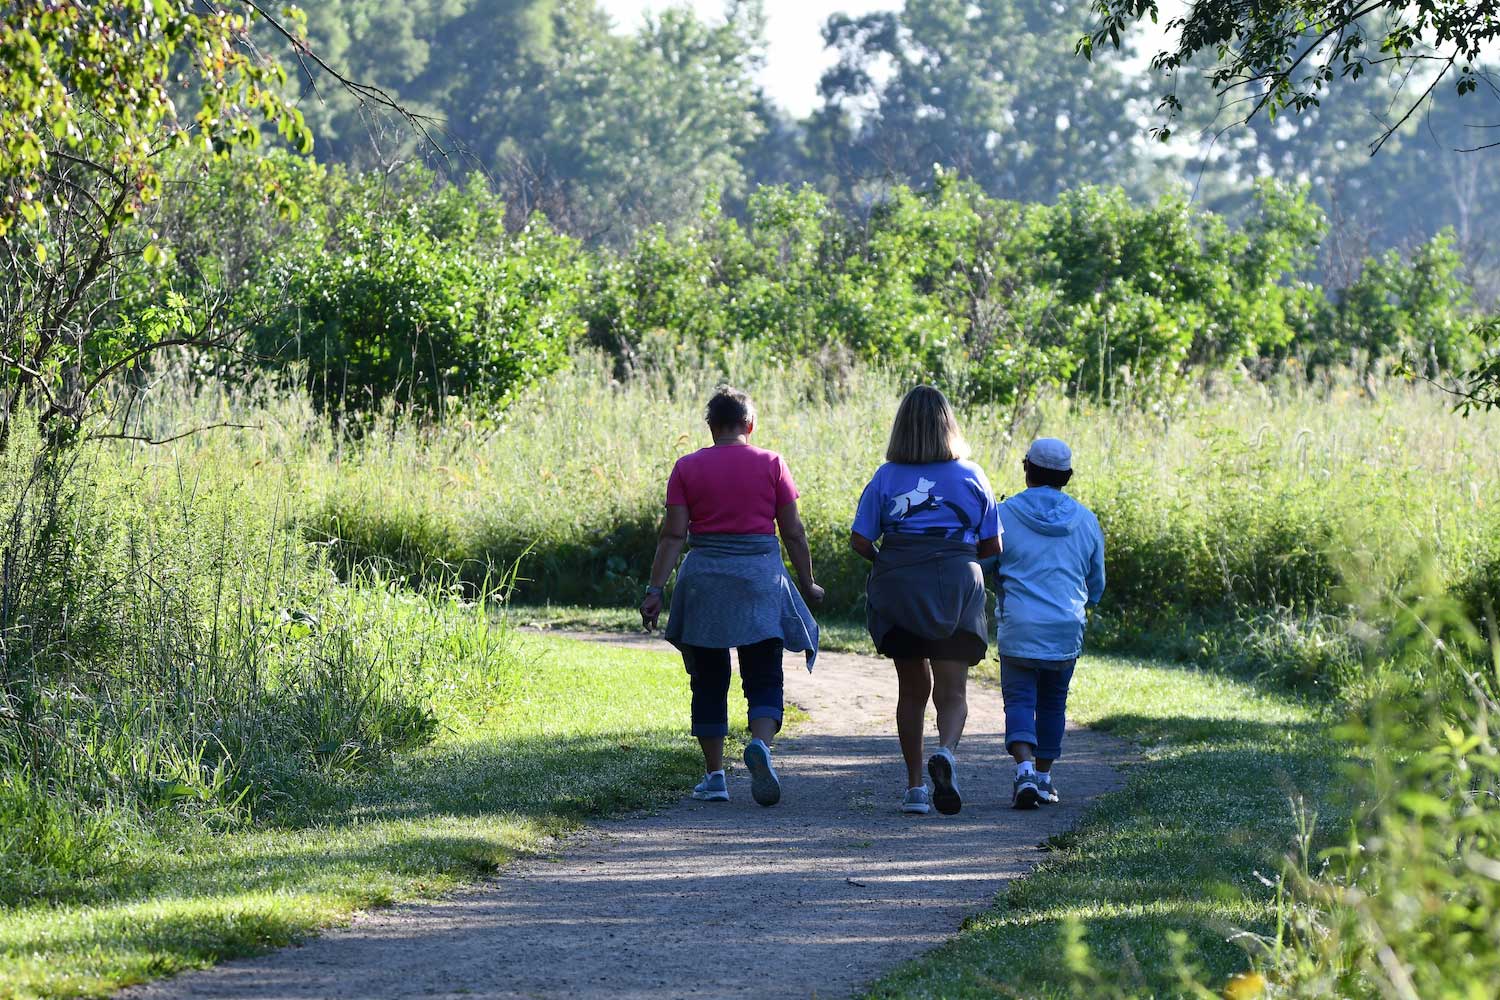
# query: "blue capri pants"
[[1036, 701], [760, 677]]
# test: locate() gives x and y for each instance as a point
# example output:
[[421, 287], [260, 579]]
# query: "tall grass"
[[1401, 899], [173, 649], [1247, 504], [1407, 903]]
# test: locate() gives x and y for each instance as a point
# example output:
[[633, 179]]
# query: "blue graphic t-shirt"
[[946, 499]]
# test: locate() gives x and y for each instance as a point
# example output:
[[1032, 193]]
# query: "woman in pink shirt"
[[726, 502]]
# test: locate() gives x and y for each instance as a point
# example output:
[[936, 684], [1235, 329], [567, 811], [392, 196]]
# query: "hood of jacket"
[[1045, 510]]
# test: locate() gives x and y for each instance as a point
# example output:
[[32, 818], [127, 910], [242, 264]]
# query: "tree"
[[91, 99], [436, 55], [1420, 183], [1479, 388], [1426, 183], [1284, 54], [602, 132], [1288, 54], [608, 134], [983, 88], [1417, 186]]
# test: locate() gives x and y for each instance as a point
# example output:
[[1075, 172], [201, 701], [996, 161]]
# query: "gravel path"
[[814, 897]]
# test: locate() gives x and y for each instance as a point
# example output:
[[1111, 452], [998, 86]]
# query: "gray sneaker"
[[765, 787], [1024, 792], [712, 788], [918, 801], [941, 766], [1045, 788]]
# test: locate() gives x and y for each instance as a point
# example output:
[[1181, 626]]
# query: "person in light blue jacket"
[[1051, 570]]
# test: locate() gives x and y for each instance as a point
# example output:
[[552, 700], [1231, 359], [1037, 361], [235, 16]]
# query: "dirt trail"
[[817, 896]]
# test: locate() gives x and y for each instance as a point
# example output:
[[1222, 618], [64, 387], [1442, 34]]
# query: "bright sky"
[[795, 57]]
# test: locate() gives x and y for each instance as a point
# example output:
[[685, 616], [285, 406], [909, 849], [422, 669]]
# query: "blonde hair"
[[925, 430]]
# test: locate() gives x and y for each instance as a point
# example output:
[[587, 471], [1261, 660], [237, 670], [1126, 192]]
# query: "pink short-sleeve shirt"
[[731, 490]]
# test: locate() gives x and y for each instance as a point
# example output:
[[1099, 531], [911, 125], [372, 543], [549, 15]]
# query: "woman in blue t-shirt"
[[934, 516]]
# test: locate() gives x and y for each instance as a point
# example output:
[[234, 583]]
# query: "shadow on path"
[[815, 896]]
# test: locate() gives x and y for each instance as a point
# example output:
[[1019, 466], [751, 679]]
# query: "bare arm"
[[674, 530], [989, 547], [862, 545], [794, 537]]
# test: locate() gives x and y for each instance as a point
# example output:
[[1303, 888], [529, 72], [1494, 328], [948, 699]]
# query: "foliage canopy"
[[1287, 53], [91, 97], [99, 85]]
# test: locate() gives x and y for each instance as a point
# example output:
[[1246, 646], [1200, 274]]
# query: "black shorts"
[[899, 644]]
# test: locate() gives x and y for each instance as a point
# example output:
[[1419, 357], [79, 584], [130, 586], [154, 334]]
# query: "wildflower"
[[1245, 986]]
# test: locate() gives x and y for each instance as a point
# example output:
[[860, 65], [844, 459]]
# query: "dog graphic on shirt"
[[911, 501]]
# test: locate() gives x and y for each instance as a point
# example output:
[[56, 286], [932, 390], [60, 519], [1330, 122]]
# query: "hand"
[[650, 611], [813, 594]]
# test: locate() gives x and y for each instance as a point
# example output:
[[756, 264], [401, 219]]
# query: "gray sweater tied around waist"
[[733, 590], [931, 586]]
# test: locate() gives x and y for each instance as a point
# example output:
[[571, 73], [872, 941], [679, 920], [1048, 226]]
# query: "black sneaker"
[[1024, 793]]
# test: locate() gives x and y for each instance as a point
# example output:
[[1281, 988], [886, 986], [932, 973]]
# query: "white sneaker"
[[1024, 791], [918, 801], [765, 787], [941, 767], [713, 788]]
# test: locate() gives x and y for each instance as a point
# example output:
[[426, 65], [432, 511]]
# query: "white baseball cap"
[[1050, 453]]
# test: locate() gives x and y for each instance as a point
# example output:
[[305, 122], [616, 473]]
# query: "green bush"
[[995, 298], [373, 289], [416, 304], [1151, 289], [1419, 306], [399, 287]]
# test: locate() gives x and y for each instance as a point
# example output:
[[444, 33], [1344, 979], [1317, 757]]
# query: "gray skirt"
[[925, 598], [733, 590]]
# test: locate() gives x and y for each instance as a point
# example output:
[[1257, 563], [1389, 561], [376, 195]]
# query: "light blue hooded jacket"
[[1051, 567]]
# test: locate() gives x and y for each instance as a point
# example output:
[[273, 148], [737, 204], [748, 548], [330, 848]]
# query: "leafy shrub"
[[1420, 305], [413, 307], [399, 287], [370, 288], [993, 297]]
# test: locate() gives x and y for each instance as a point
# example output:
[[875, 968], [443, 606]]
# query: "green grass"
[[1329, 489], [581, 732], [1207, 806], [578, 467]]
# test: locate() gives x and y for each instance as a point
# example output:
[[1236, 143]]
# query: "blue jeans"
[[1036, 701], [760, 677]]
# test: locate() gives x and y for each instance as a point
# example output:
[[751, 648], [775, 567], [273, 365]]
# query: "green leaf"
[[1423, 804], [171, 791]]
